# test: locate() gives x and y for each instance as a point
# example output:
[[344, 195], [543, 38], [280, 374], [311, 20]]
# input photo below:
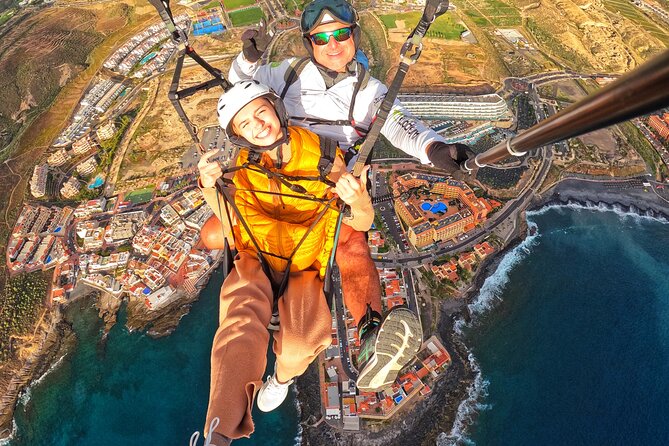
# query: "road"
[[340, 316]]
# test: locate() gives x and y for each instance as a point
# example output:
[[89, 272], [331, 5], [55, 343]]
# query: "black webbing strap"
[[328, 154], [277, 288], [294, 70]]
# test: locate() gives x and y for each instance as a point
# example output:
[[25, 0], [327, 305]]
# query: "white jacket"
[[308, 97]]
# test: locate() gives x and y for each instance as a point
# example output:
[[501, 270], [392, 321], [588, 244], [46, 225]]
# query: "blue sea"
[[571, 336], [135, 390]]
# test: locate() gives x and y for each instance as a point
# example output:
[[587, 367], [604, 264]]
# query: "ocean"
[[571, 335], [135, 390]]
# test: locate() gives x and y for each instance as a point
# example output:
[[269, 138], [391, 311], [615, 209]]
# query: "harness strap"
[[297, 66], [293, 72], [277, 288], [328, 154]]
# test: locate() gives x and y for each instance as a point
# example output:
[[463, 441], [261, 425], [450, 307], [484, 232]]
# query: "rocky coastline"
[[59, 338], [416, 428], [427, 418]]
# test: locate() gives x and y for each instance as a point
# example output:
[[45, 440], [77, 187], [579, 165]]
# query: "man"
[[333, 95]]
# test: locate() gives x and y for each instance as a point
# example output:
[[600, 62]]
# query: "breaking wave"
[[622, 211], [493, 286], [7, 440], [24, 398], [467, 410], [488, 297], [300, 430]]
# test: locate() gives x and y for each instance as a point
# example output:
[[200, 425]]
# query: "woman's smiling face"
[[258, 123]]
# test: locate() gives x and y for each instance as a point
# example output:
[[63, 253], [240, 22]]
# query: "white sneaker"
[[272, 393]]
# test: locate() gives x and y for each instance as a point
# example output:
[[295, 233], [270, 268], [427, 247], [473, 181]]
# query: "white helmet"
[[236, 98]]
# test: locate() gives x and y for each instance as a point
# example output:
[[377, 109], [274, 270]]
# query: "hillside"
[[42, 52]]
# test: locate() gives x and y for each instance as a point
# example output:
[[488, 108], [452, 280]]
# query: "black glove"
[[255, 42], [448, 157]]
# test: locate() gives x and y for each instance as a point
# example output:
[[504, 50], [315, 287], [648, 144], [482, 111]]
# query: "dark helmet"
[[324, 11], [236, 98]]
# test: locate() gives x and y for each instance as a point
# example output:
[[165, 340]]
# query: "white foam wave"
[[24, 398], [467, 410], [7, 440], [632, 212], [492, 288], [300, 430]]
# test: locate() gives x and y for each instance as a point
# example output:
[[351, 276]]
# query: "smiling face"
[[258, 123], [334, 55]]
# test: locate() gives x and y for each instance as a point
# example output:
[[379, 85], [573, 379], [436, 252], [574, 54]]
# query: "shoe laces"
[[274, 386], [207, 441]]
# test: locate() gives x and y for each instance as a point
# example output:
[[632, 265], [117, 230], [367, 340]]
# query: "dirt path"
[[127, 138]]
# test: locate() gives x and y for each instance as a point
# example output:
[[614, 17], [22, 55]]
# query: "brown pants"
[[360, 281], [238, 355]]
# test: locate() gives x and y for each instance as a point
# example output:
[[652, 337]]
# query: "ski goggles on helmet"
[[313, 13], [340, 35]]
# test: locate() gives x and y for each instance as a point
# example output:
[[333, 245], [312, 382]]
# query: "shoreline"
[[456, 387], [60, 338], [449, 392], [596, 195]]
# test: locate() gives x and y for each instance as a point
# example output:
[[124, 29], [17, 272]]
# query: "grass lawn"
[[140, 195], [234, 4], [246, 16], [641, 145], [5, 16], [443, 27]]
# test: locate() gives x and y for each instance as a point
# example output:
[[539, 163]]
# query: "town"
[[140, 239]]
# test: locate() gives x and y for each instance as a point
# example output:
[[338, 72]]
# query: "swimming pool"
[[99, 181]]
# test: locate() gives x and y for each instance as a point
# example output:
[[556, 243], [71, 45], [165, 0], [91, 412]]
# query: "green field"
[[444, 27], [631, 12], [234, 4], [5, 16], [246, 16], [140, 195], [492, 12]]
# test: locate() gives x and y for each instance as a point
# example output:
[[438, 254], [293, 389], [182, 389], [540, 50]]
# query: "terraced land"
[[631, 12], [246, 16], [492, 13]]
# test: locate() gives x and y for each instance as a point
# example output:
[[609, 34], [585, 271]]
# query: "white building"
[[87, 167], [83, 145], [58, 158], [38, 180], [488, 107], [70, 188], [106, 131], [160, 298]]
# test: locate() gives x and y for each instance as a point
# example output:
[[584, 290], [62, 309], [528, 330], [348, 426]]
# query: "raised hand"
[[255, 42], [210, 170]]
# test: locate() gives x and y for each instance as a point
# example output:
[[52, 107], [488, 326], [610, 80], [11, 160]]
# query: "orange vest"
[[278, 223]]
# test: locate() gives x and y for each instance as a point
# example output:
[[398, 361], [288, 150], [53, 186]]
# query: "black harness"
[[328, 149], [292, 74]]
